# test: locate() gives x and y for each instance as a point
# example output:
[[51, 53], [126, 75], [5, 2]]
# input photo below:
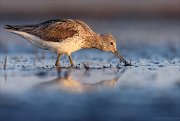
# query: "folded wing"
[[52, 30]]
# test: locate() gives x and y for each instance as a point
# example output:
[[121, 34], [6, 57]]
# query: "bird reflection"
[[66, 83]]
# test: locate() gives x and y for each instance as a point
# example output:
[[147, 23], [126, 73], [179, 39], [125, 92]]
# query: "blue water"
[[32, 89], [95, 94]]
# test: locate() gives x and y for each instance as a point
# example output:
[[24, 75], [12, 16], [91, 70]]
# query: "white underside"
[[65, 47]]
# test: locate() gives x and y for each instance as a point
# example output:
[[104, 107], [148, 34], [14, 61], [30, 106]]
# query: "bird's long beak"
[[122, 58]]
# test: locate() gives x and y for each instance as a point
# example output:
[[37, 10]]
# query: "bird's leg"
[[57, 61], [70, 60]]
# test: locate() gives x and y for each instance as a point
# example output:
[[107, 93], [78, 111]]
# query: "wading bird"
[[64, 36]]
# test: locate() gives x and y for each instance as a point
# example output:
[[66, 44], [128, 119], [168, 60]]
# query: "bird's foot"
[[57, 64], [72, 65]]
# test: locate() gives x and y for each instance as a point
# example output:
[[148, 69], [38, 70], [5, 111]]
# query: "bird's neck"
[[93, 42]]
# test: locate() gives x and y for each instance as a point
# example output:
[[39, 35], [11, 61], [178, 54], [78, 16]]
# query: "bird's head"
[[108, 43]]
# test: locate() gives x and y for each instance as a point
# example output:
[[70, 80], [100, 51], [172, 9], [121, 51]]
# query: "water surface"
[[99, 87]]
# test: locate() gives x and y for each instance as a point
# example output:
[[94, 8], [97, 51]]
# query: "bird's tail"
[[11, 28]]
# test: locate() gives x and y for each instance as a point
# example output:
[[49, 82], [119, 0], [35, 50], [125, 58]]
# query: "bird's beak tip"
[[128, 64], [121, 58]]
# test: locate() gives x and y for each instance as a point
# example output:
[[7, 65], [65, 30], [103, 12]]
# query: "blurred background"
[[89, 8], [142, 24]]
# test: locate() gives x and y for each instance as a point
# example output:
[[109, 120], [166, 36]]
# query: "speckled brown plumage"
[[56, 30]]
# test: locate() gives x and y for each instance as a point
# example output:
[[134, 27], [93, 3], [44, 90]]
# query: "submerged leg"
[[57, 61], [70, 60]]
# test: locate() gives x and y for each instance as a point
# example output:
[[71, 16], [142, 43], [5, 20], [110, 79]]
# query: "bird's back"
[[55, 30]]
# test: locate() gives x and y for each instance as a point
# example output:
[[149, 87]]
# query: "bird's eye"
[[111, 43]]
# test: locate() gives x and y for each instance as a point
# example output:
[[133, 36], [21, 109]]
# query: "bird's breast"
[[66, 46]]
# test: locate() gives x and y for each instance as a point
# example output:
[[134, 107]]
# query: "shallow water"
[[91, 94], [99, 87]]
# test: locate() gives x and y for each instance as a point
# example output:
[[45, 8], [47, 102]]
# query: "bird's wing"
[[85, 27], [55, 30], [52, 30]]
